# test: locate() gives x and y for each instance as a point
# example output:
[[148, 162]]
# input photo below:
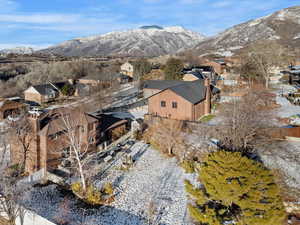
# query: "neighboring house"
[[218, 65], [44, 93], [112, 127], [183, 100], [48, 143], [10, 108], [104, 80], [127, 69], [205, 70], [193, 75], [294, 74]]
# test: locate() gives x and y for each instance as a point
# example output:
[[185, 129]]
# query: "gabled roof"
[[161, 84], [196, 74], [54, 123], [44, 89], [192, 91]]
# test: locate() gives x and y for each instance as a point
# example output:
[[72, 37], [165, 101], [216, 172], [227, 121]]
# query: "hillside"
[[145, 41], [283, 25]]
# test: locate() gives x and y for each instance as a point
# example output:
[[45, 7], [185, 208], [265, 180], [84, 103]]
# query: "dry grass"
[[4, 221]]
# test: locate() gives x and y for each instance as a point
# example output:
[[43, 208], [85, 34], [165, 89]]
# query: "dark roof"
[[199, 68], [296, 67], [108, 122], [192, 91], [44, 89], [161, 84]]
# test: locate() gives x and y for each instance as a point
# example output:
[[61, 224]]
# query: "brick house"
[[10, 108], [180, 100], [48, 143], [44, 93]]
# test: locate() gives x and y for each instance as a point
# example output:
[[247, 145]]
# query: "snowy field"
[[154, 182]]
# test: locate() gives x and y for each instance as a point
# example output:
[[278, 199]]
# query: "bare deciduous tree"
[[166, 135], [72, 125], [261, 58], [10, 191], [21, 132], [244, 122]]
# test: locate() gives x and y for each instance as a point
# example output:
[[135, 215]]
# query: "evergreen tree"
[[235, 188], [173, 69]]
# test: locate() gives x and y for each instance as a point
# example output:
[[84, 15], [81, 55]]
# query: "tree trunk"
[[83, 182]]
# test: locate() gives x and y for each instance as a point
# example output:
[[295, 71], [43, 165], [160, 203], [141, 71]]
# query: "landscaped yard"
[[152, 188]]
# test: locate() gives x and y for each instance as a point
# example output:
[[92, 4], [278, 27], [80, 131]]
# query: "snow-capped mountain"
[[145, 41], [283, 26], [17, 50]]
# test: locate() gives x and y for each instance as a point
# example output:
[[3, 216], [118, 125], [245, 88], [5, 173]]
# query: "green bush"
[[93, 196], [207, 118], [67, 90], [235, 188], [188, 166]]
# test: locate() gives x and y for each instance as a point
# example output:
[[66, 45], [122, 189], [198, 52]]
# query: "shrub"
[[108, 189], [188, 166], [235, 188], [93, 195], [67, 90], [207, 118]]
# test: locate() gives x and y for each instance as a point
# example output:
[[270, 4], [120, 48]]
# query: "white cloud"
[[39, 18], [14, 45]]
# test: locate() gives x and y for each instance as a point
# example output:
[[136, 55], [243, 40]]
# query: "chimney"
[[207, 102], [33, 119]]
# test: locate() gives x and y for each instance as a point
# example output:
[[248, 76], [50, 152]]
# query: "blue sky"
[[41, 23]]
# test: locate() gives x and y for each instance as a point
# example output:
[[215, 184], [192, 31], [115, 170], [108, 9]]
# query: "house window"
[[174, 105], [163, 103]]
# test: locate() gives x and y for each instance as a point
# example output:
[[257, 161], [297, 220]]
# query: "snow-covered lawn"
[[153, 180], [287, 109]]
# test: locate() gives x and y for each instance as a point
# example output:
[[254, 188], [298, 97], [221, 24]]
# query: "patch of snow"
[[285, 156], [254, 22], [297, 36], [225, 53], [153, 179], [281, 15], [287, 109]]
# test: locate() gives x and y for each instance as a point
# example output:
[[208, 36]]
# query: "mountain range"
[[145, 41], [154, 40]]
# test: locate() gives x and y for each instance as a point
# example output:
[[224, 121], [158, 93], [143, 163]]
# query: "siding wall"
[[189, 77], [35, 97], [184, 110], [199, 110]]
